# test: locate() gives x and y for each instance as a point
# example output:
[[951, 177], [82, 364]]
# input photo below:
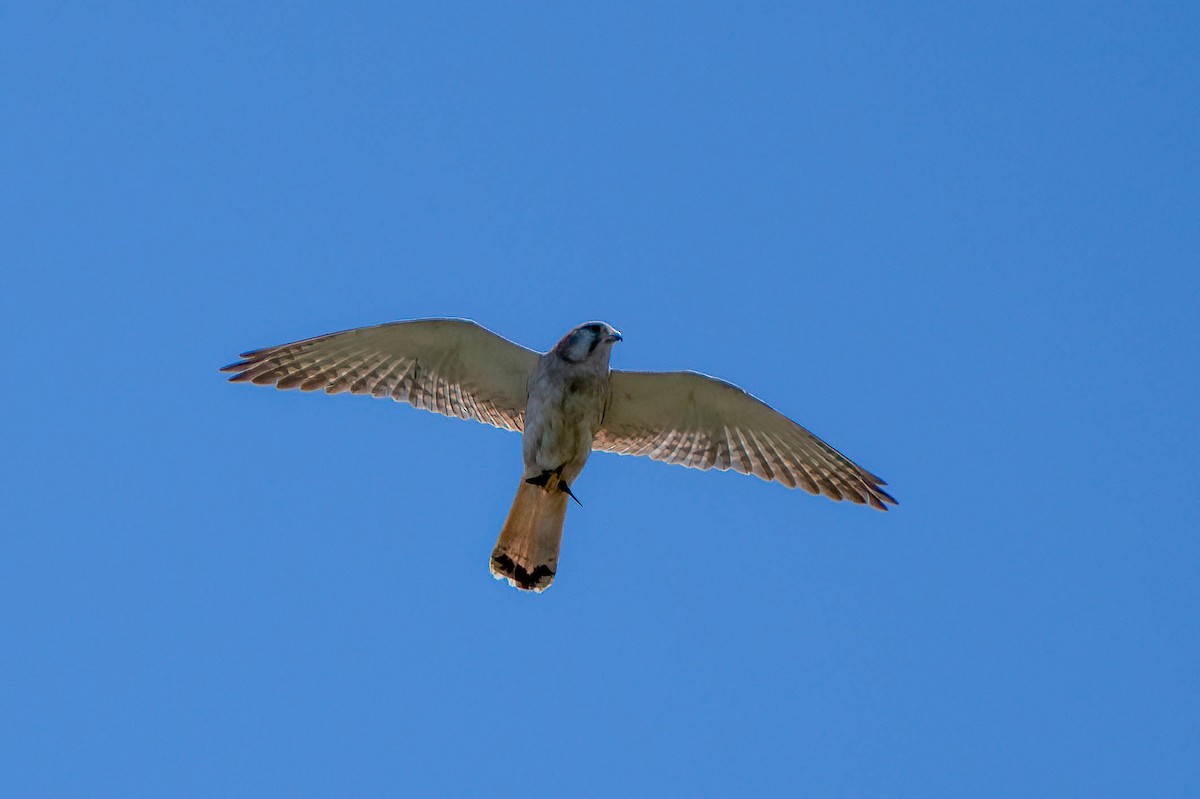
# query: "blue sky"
[[960, 243]]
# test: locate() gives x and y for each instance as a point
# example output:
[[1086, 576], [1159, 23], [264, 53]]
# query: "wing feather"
[[449, 366], [704, 423]]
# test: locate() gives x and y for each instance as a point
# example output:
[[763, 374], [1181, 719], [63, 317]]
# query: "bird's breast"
[[562, 415]]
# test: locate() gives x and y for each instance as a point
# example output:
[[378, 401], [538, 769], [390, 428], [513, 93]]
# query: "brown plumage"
[[526, 552]]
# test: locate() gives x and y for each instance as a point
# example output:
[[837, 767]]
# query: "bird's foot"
[[543, 481], [566, 489]]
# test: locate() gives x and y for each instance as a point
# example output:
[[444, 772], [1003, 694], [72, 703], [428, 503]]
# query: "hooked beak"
[[615, 336]]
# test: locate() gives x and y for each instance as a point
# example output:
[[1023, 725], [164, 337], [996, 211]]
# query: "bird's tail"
[[526, 553]]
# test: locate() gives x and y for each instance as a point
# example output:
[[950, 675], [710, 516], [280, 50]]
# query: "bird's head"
[[588, 342]]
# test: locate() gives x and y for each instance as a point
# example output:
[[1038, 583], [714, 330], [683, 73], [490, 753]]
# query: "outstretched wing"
[[704, 423], [451, 366]]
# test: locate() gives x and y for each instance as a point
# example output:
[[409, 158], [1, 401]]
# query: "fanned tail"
[[526, 552]]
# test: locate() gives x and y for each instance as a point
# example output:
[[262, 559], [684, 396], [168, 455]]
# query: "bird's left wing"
[[698, 421], [450, 366]]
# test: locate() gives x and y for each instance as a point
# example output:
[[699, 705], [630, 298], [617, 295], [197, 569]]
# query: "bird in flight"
[[565, 403]]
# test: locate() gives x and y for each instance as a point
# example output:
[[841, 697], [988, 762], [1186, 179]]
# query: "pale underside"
[[701, 422], [458, 368]]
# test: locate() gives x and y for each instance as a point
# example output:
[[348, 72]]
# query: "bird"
[[566, 403]]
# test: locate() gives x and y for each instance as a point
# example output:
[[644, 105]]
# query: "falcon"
[[565, 403]]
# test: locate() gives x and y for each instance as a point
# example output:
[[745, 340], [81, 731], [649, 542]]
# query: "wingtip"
[[880, 499]]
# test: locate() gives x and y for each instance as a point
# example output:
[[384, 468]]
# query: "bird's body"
[[568, 393], [566, 403]]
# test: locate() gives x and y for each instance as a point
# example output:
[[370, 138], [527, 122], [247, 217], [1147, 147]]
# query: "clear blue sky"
[[959, 242]]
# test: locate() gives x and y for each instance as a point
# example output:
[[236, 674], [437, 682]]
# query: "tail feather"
[[526, 553]]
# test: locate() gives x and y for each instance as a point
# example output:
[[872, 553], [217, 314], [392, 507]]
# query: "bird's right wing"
[[450, 366], [699, 421]]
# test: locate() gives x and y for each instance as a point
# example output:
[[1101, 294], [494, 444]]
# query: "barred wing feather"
[[450, 366], [698, 421]]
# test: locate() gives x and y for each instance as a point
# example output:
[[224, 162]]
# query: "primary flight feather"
[[565, 403]]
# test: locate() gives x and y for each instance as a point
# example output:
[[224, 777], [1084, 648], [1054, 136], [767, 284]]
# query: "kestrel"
[[565, 403]]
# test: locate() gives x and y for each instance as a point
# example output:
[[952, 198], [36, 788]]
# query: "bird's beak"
[[615, 336]]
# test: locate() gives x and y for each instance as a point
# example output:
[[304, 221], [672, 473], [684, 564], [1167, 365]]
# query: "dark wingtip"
[[877, 497]]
